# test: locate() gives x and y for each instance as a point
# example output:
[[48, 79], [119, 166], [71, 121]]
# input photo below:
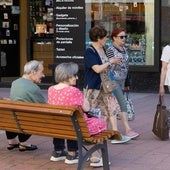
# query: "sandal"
[[27, 148], [12, 146]]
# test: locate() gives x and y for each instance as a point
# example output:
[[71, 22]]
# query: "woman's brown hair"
[[97, 32]]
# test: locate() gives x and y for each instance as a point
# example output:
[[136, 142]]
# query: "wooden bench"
[[55, 121]]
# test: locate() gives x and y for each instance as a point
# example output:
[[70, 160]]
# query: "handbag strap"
[[126, 93], [161, 100]]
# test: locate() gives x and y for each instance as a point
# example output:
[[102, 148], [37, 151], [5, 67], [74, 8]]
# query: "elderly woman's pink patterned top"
[[72, 96]]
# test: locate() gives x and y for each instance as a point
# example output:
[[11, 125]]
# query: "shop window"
[[41, 32], [137, 17]]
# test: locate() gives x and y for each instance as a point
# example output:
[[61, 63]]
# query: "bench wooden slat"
[[50, 120], [62, 136], [36, 108], [47, 126], [8, 119], [11, 129], [43, 129], [6, 124], [40, 116], [60, 126]]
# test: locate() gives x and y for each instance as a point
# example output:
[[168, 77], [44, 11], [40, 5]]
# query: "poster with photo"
[[5, 24], [15, 9], [6, 2], [5, 15], [15, 26], [48, 2]]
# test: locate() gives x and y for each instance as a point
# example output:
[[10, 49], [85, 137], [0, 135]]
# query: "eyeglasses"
[[75, 75], [122, 36]]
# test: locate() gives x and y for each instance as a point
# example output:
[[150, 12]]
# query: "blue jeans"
[[118, 93]]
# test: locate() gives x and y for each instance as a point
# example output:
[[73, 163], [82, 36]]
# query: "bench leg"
[[105, 156], [104, 151], [82, 158]]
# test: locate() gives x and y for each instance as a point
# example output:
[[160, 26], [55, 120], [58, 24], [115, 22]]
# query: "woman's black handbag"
[[160, 124], [94, 112]]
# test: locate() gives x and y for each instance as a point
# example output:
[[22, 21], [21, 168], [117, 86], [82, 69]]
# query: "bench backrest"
[[41, 119], [55, 121]]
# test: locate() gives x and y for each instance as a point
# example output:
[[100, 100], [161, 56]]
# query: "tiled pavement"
[[145, 153]]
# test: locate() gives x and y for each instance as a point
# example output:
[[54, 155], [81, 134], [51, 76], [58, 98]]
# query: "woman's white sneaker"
[[71, 159], [98, 164]]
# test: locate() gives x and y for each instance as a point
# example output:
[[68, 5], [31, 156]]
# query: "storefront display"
[[9, 39], [42, 32], [64, 26], [49, 18], [41, 18], [136, 49], [137, 17]]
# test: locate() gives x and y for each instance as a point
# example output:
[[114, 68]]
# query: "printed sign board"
[[69, 31]]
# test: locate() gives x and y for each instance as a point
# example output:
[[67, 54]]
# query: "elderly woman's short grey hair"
[[32, 65], [64, 71]]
